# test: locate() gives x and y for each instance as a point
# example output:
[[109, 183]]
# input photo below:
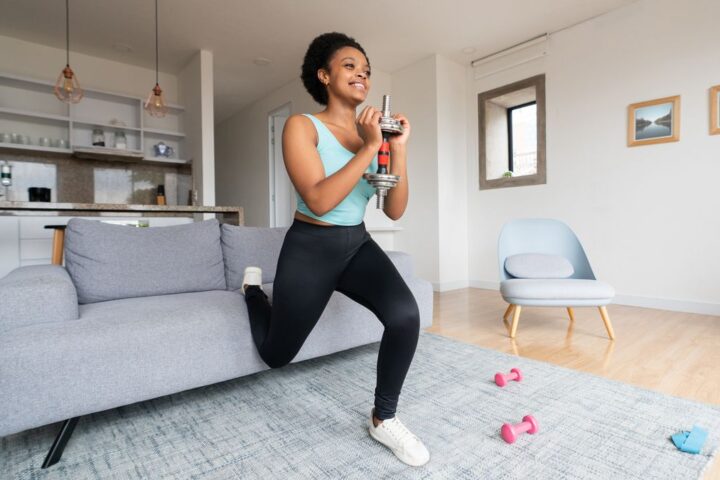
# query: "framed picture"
[[654, 121], [715, 110]]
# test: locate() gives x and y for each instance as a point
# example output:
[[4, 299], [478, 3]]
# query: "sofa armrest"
[[421, 288], [403, 262], [37, 294]]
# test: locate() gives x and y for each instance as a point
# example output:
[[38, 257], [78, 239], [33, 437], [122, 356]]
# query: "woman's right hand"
[[368, 125]]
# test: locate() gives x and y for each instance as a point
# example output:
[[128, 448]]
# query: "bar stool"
[[58, 242]]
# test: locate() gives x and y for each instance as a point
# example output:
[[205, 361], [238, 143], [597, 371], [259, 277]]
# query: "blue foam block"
[[679, 438], [695, 441]]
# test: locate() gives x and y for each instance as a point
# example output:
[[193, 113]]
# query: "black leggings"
[[316, 260]]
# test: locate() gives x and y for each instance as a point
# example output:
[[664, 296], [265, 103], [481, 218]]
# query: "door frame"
[[282, 111]]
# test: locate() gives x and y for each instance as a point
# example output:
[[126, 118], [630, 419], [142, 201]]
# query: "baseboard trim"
[[485, 284], [668, 304], [703, 308], [447, 286]]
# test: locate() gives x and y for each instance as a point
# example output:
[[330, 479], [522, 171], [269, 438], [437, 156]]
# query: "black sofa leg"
[[61, 440]]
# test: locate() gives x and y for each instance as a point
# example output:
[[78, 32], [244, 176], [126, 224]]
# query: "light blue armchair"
[[553, 241]]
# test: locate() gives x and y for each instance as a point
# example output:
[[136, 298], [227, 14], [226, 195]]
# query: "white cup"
[[5, 137], [44, 141]]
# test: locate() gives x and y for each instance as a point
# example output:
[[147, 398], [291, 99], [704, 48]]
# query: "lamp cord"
[[67, 31], [157, 75]]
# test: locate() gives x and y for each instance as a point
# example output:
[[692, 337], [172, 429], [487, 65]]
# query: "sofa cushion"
[[133, 349], [538, 265], [250, 246], [108, 262]]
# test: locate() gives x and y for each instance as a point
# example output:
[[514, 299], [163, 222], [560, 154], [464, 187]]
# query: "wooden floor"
[[669, 352]]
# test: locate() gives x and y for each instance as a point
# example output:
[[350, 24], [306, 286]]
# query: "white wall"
[[415, 90], [647, 216], [432, 93], [452, 175], [196, 93], [42, 62], [242, 153]]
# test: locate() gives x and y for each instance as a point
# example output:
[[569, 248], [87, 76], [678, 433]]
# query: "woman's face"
[[349, 75]]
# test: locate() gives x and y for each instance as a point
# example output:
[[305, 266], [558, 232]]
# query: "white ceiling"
[[395, 33]]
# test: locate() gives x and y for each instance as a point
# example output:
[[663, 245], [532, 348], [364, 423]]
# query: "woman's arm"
[[305, 169], [397, 197]]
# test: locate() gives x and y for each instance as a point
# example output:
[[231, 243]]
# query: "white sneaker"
[[394, 435], [252, 276]]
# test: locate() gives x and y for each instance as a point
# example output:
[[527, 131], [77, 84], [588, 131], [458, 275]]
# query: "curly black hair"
[[318, 56]]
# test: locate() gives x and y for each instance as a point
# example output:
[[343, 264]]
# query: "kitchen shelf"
[[105, 153], [166, 133], [168, 160], [28, 113], [90, 123], [36, 148]]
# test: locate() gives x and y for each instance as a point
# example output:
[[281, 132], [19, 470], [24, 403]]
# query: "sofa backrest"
[[108, 262], [250, 246]]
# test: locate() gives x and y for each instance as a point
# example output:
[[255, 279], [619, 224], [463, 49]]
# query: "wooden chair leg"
[[57, 246], [516, 318], [507, 312], [606, 320], [571, 313]]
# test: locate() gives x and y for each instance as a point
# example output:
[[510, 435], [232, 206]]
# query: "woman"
[[327, 247]]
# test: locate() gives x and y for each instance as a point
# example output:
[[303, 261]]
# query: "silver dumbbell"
[[382, 180]]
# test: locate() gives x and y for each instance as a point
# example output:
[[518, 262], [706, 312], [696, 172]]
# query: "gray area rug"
[[308, 420]]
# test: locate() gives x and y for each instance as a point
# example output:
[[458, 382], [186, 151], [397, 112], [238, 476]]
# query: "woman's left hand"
[[403, 138]]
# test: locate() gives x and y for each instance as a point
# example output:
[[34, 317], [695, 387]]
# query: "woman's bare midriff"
[[305, 218]]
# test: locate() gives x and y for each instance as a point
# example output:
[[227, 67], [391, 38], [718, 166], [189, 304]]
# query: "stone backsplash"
[[76, 180]]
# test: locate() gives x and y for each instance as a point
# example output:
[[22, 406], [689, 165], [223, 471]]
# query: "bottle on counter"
[[161, 195], [98, 137], [120, 140], [6, 173]]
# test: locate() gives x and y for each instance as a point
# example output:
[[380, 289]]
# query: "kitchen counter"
[[113, 209]]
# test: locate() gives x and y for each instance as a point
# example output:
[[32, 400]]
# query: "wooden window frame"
[[540, 178]]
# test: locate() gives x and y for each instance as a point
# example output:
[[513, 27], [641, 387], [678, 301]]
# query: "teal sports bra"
[[334, 156]]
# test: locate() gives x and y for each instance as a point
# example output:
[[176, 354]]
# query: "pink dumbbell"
[[501, 380], [510, 432]]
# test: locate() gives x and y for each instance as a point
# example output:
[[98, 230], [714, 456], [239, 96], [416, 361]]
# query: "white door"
[[282, 197]]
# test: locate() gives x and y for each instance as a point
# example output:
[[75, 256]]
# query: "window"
[[511, 124], [522, 139]]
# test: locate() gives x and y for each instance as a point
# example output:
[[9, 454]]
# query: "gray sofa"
[[138, 313]]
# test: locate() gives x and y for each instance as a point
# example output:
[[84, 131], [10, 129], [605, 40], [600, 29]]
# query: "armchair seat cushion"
[[556, 292]]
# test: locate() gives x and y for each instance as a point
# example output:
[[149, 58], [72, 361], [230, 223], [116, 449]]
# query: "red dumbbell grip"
[[384, 154]]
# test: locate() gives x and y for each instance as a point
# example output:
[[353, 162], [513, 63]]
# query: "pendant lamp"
[[67, 88], [155, 103]]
